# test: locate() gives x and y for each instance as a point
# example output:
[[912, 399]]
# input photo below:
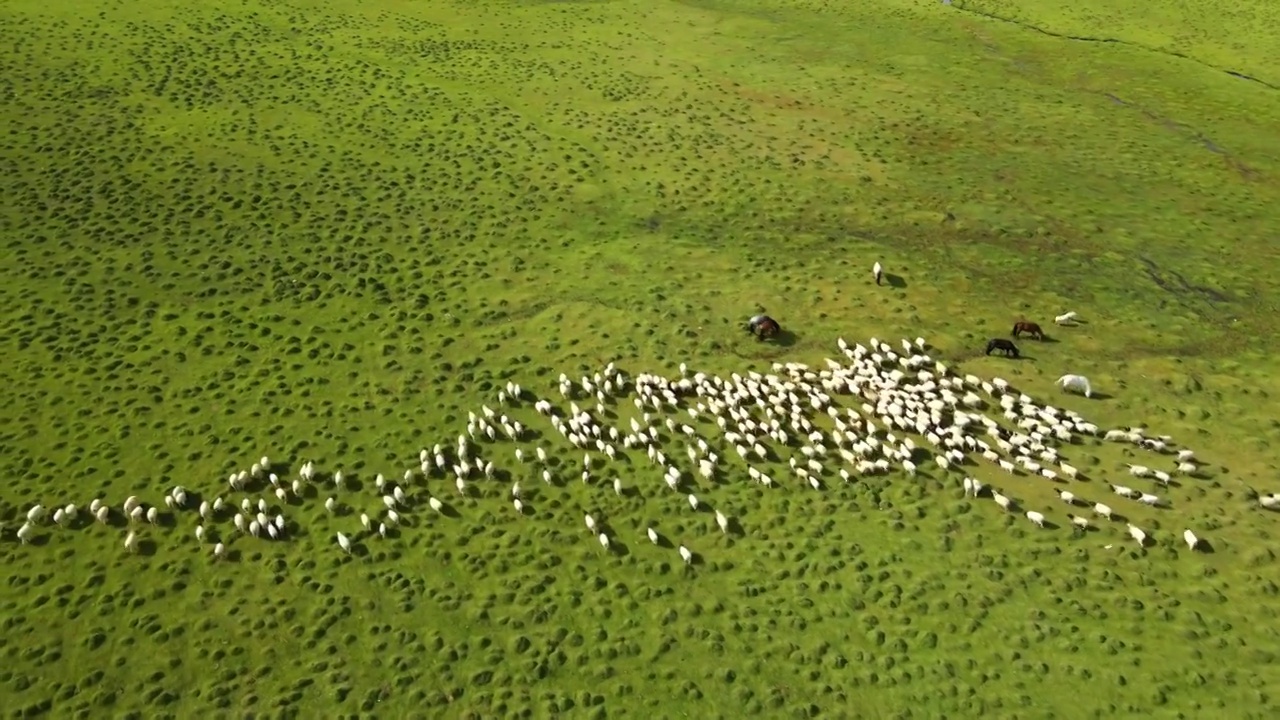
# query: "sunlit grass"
[[329, 232]]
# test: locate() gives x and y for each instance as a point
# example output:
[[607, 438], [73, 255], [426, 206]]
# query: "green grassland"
[[328, 230]]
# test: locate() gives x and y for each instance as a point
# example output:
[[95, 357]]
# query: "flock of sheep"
[[851, 419]]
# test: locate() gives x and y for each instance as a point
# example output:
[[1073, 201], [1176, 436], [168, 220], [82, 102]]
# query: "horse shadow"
[[895, 281], [1049, 339], [784, 338]]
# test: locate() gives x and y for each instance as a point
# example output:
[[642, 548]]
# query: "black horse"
[[763, 327], [1005, 346]]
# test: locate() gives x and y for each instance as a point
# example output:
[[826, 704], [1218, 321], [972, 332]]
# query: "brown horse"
[[763, 327], [1030, 328]]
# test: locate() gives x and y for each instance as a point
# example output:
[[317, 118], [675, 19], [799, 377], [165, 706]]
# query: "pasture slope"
[[327, 230]]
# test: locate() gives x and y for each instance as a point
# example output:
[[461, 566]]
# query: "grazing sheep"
[[722, 521], [1192, 541], [345, 543], [1080, 522], [686, 554], [1138, 535], [1066, 318], [1076, 383], [1102, 510], [1067, 497], [1270, 501], [1036, 518], [877, 271], [1003, 501], [653, 536]]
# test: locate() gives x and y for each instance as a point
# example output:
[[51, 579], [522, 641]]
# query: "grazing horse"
[[763, 326], [1030, 328], [1005, 346]]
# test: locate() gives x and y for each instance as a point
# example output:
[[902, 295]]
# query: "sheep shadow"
[[895, 281], [665, 543], [1100, 396], [1051, 525], [618, 547], [1205, 547], [784, 338], [449, 511], [147, 547]]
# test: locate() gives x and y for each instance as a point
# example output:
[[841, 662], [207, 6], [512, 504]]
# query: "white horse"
[[1079, 383]]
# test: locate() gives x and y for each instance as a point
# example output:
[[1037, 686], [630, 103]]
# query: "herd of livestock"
[[882, 410]]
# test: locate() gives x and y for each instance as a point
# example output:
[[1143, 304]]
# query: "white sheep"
[[878, 272], [1036, 518], [1066, 318], [1080, 522], [1102, 510], [1077, 383], [1003, 501], [1137, 534], [1067, 497], [1191, 539], [653, 536], [686, 554]]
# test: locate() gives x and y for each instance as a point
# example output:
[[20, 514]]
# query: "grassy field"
[[329, 230]]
